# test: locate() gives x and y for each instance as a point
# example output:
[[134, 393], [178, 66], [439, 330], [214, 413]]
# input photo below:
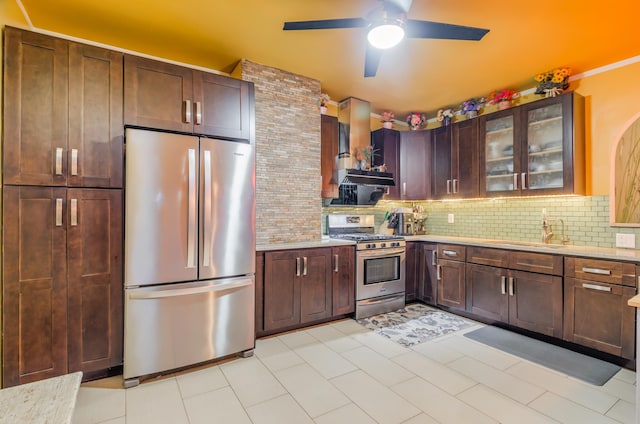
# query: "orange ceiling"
[[418, 75]]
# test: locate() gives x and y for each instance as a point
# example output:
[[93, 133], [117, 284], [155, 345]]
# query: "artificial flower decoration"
[[444, 114], [552, 83], [324, 99], [505, 95], [472, 105], [416, 119], [387, 116]]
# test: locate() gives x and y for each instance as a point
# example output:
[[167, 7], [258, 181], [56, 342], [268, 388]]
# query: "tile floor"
[[343, 373]]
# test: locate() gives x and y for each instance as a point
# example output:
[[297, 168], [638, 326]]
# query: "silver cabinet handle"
[[512, 285], [198, 113], [192, 209], [335, 267], [404, 188], [74, 161], [439, 272], [304, 270], [187, 111], [503, 285], [434, 257], [74, 213], [596, 287], [58, 212], [515, 181], [596, 271], [455, 186], [450, 253], [207, 227], [58, 161], [448, 186], [297, 267], [523, 180]]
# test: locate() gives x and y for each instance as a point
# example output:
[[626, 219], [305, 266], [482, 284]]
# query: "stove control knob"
[[369, 246], [383, 244]]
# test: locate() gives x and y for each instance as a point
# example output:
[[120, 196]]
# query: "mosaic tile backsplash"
[[586, 218]]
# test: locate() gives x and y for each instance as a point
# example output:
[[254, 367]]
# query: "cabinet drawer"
[[541, 263], [601, 270], [488, 256], [452, 252]]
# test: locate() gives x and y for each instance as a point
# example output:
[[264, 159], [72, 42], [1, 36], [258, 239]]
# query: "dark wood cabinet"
[[451, 276], [428, 284], [386, 151], [329, 155], [454, 169], [297, 287], [343, 272], [62, 282], [63, 113], [412, 271], [259, 292], [595, 307], [415, 161], [172, 97]]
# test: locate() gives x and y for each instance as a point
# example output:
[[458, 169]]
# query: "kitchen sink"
[[532, 244]]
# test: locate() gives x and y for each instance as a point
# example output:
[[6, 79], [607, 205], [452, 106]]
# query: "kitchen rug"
[[414, 324], [583, 367]]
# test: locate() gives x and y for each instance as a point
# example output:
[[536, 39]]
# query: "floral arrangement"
[[415, 119], [552, 83], [387, 116], [324, 99], [444, 114], [472, 105], [502, 96]]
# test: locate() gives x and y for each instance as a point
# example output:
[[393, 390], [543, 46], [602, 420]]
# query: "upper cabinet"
[[171, 97], [537, 148], [62, 114], [329, 155], [386, 151]]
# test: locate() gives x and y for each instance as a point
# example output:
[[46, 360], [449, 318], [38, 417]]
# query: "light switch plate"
[[626, 240], [450, 218]]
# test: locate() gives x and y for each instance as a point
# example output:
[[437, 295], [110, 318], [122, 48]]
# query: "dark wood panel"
[[315, 284], [386, 151], [487, 292], [441, 172], [415, 165], [451, 284], [488, 256], [464, 158], [343, 280], [259, 292], [612, 272], [281, 289], [535, 303], [428, 284], [412, 271], [536, 262], [329, 155], [452, 252]]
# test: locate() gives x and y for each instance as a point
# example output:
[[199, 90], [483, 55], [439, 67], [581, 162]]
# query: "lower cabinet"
[[451, 276], [596, 311], [343, 280], [412, 271], [62, 282], [297, 287], [427, 283]]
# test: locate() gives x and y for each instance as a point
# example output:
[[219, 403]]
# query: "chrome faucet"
[[565, 239], [547, 231]]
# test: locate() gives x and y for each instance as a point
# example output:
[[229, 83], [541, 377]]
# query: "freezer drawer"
[[177, 325]]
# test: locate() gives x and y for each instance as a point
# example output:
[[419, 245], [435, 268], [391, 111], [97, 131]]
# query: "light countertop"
[[322, 242]]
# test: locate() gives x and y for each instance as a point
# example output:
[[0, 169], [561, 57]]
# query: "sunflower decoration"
[[552, 83]]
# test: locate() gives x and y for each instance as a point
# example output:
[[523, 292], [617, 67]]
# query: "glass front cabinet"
[[534, 149]]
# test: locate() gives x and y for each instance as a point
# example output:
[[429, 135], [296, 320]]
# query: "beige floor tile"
[[624, 412], [437, 374], [500, 381], [276, 355], [438, 352], [201, 381], [620, 389], [121, 420], [94, 405], [380, 344], [378, 401], [626, 375], [421, 419], [567, 412], [298, 339], [349, 327], [377, 366], [324, 360], [481, 352], [348, 414], [281, 410], [218, 406], [436, 403], [312, 391], [502, 408], [333, 339], [251, 381], [157, 402]]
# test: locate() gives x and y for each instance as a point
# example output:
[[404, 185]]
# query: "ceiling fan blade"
[[428, 29], [371, 61], [326, 24], [403, 5]]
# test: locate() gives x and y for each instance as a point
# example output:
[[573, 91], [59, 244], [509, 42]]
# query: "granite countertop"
[[45, 401], [323, 242]]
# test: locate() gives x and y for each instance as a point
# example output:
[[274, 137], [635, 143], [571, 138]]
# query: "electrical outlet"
[[626, 240], [450, 219]]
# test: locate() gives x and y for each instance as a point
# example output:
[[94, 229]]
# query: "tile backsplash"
[[586, 218]]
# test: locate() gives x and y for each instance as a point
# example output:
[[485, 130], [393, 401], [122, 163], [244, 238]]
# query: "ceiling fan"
[[391, 15]]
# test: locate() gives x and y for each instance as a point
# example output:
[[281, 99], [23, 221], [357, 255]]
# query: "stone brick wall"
[[288, 203]]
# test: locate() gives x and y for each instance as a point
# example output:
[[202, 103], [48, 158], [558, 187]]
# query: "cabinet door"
[[415, 159], [499, 153], [441, 180], [35, 109], [487, 292], [428, 284], [95, 279], [281, 289], [451, 284], [535, 302], [464, 162], [315, 285], [34, 289], [386, 151], [158, 95], [343, 280], [412, 271], [259, 292], [329, 155], [221, 106], [96, 129], [597, 315]]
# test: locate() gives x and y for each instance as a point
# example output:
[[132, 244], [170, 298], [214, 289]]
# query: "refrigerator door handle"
[[209, 288], [192, 209], [206, 227]]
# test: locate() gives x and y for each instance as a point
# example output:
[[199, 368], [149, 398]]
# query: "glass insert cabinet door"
[[545, 148], [499, 154]]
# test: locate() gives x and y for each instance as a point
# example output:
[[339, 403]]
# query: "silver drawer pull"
[[304, 266], [58, 212], [297, 266], [512, 286], [596, 287], [187, 111], [434, 258], [596, 271], [58, 169], [503, 285], [439, 272], [74, 213], [449, 252], [336, 268], [74, 161]]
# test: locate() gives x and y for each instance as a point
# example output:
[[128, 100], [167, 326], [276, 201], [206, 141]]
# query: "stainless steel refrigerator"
[[189, 251]]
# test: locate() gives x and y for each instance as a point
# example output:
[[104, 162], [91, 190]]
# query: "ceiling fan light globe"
[[385, 36]]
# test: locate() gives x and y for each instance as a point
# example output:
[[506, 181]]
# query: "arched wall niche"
[[625, 181]]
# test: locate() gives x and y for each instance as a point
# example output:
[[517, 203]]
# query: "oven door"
[[380, 272]]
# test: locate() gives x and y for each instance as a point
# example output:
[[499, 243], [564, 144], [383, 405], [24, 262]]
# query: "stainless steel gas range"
[[380, 263]]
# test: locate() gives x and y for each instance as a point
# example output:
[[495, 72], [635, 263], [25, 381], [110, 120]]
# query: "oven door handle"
[[380, 253]]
